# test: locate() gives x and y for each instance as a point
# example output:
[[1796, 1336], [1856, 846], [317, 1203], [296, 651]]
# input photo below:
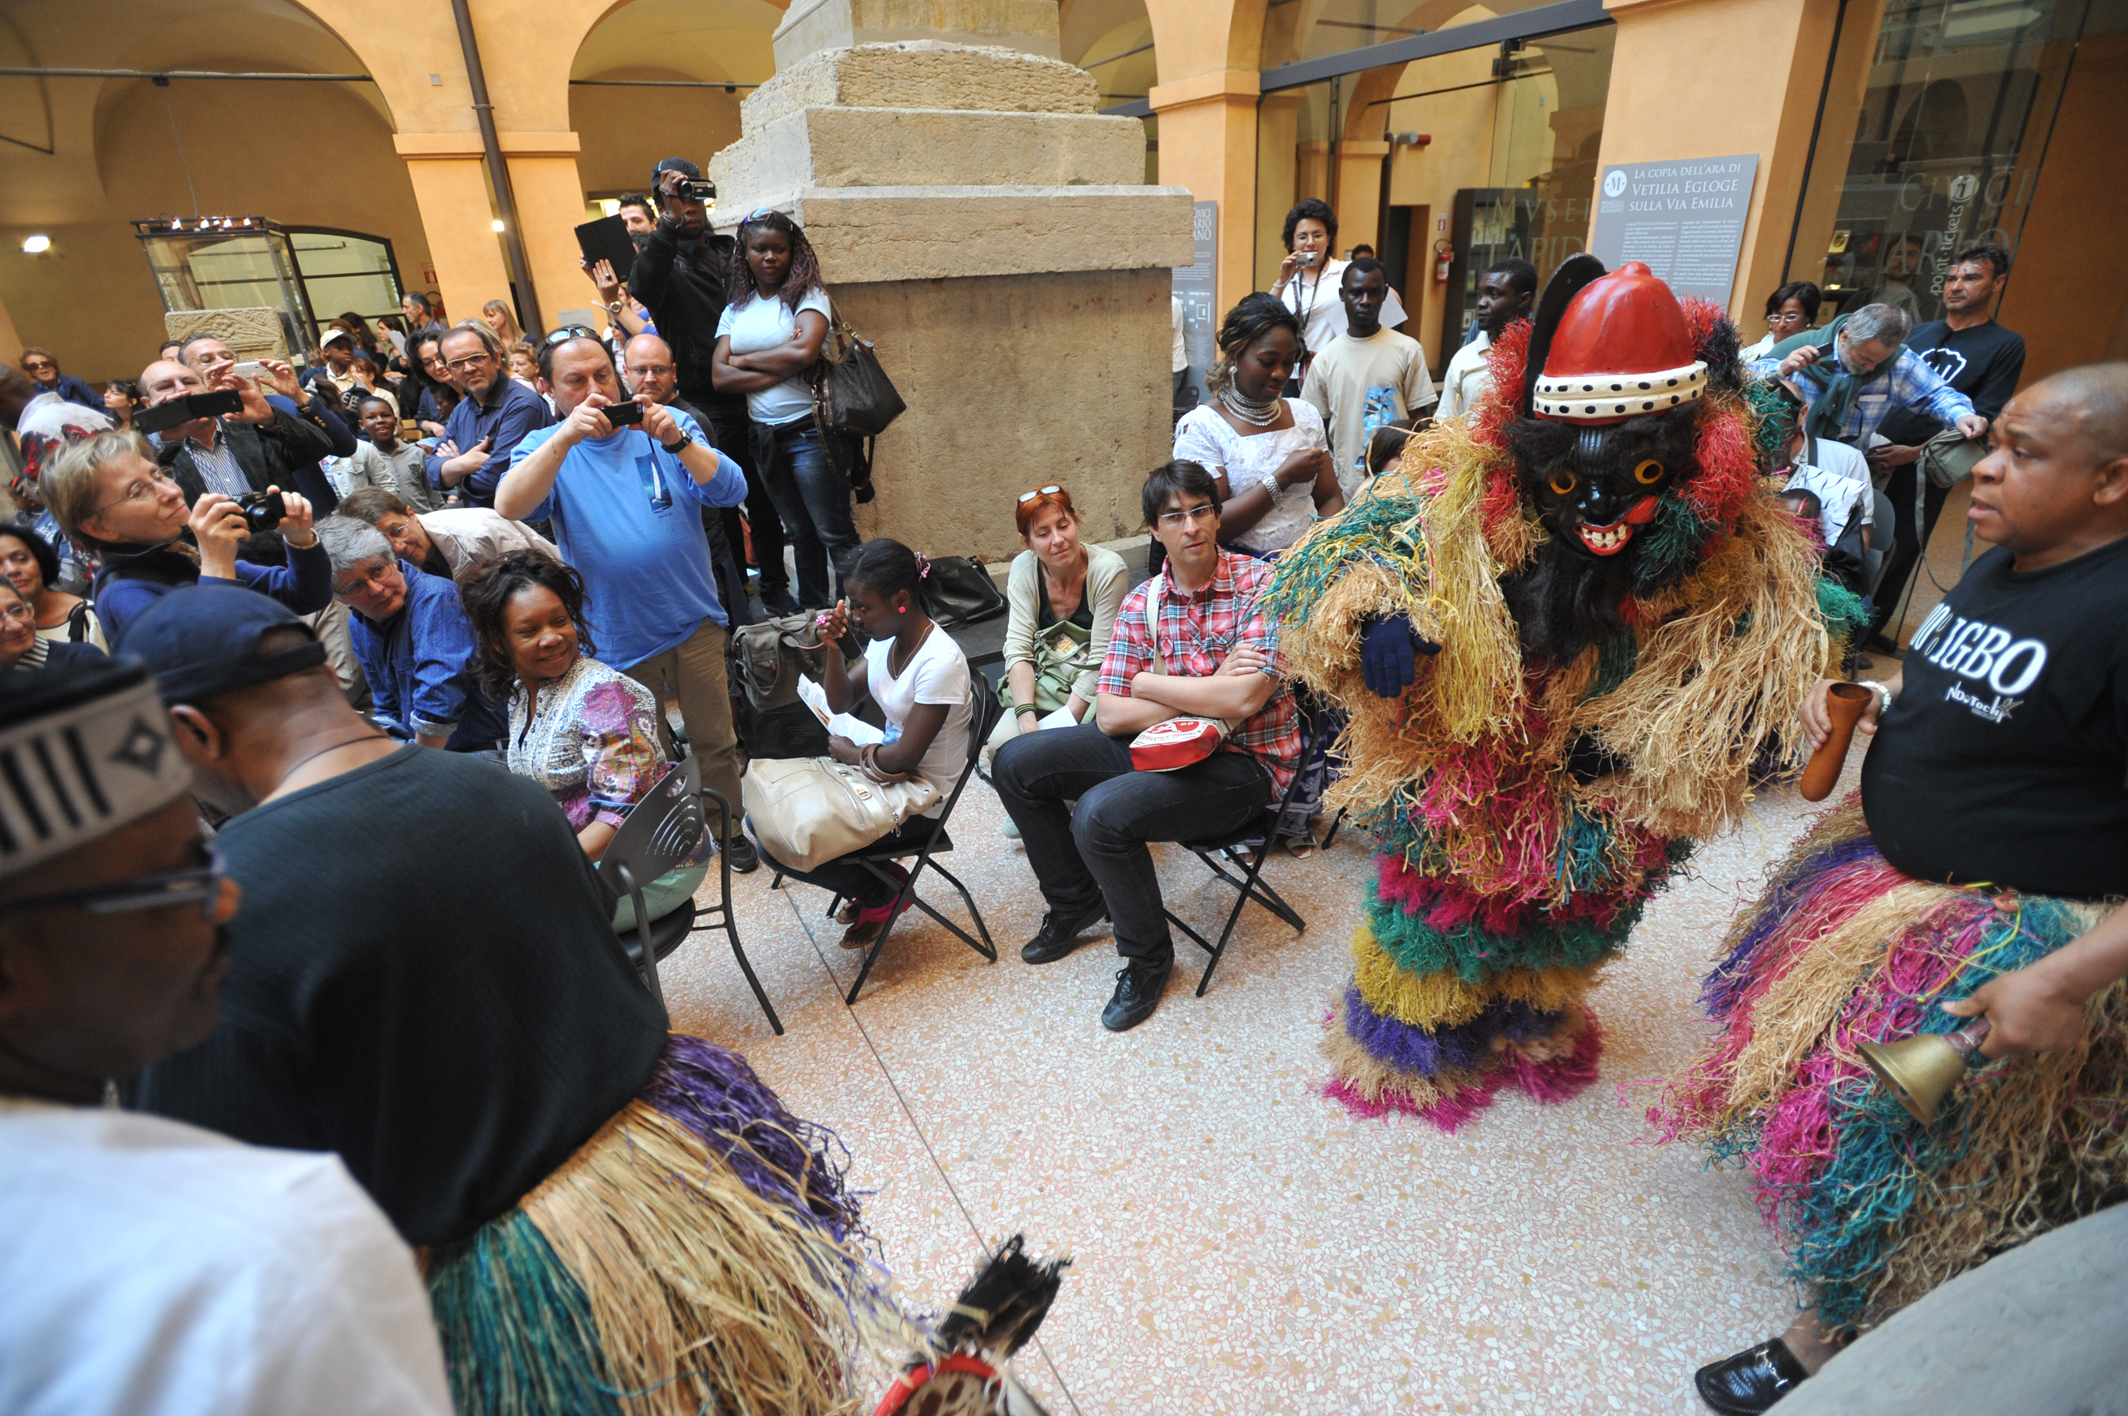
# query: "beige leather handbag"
[[806, 811]]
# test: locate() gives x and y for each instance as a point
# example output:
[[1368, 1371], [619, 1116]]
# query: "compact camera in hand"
[[1307, 260], [626, 414], [262, 511]]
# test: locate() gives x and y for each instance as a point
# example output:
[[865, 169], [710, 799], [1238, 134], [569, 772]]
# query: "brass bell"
[[1920, 1070]]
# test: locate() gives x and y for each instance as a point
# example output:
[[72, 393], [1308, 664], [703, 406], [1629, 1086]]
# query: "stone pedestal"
[[991, 234]]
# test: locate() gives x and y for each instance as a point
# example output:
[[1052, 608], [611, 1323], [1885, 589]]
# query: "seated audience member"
[[918, 676], [43, 370], [1789, 311], [488, 424], [450, 1012], [29, 563], [1268, 454], [1985, 867], [1063, 596], [448, 541], [22, 649], [1857, 370], [1804, 506], [1217, 655], [406, 462], [1367, 376], [416, 647], [626, 505], [434, 392], [585, 732], [108, 494], [151, 1268]]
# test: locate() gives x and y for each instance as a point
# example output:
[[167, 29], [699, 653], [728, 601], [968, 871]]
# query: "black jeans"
[[851, 880], [1098, 851], [1906, 545], [734, 436]]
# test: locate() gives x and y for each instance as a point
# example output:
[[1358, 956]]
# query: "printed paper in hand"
[[857, 730]]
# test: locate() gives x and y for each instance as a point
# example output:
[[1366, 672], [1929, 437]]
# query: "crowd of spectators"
[[514, 553]]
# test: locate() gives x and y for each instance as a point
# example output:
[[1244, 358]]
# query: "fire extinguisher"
[[1443, 255]]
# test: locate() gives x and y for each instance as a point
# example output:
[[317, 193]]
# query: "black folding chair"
[[983, 719], [1245, 849], [661, 831]]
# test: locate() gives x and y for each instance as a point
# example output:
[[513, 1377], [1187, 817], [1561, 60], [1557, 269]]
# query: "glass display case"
[[306, 275]]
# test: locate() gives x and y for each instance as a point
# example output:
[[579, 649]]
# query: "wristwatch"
[[676, 448]]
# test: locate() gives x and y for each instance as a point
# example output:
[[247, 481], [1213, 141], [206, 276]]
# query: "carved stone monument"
[[993, 236]]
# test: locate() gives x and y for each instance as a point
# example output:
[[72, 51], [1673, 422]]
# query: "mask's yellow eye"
[[1563, 482], [1648, 473]]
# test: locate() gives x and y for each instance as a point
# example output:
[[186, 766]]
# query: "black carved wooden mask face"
[[1596, 488]]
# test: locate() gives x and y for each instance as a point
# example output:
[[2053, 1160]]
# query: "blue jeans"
[[1097, 851], [813, 500]]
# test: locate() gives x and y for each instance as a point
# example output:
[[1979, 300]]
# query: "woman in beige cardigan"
[[1063, 596]]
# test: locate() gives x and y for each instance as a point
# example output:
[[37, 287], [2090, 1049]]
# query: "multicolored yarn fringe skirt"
[[698, 1254], [1874, 1208], [1456, 994]]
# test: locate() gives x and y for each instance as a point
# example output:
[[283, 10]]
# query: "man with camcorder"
[[683, 277], [227, 438]]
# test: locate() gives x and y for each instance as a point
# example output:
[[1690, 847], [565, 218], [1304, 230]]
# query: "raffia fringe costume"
[[1504, 884], [699, 1254], [1874, 1208]]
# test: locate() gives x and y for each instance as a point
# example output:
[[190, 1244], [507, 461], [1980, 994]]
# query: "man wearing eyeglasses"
[[488, 423], [262, 446], [272, 1283], [1192, 642]]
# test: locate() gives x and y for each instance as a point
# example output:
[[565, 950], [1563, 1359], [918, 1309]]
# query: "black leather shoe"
[[779, 602], [1060, 934], [744, 858], [1751, 1381], [1138, 985]]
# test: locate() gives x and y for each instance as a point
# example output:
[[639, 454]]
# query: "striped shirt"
[[1198, 631], [218, 467]]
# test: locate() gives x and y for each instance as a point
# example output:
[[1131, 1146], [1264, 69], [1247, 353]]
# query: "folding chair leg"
[[731, 931], [989, 948], [901, 903]]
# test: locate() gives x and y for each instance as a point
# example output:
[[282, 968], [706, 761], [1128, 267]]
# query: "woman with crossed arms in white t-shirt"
[[769, 336]]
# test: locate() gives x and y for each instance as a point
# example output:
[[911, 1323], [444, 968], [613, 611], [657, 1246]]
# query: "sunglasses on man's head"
[[568, 332]]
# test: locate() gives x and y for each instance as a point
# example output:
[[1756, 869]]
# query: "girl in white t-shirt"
[[1268, 453], [768, 339], [918, 676]]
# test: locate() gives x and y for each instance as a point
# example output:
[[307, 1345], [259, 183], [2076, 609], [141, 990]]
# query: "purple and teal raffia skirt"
[[699, 1253], [1873, 1208]]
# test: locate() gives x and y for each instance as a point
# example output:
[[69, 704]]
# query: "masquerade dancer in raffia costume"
[[1616, 621]]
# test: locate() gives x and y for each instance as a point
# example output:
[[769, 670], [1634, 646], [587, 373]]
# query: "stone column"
[[991, 234]]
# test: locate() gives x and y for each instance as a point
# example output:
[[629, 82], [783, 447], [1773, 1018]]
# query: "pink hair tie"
[[923, 565]]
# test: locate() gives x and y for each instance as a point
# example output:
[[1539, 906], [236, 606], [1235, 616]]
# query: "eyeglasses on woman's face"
[[142, 491], [18, 614]]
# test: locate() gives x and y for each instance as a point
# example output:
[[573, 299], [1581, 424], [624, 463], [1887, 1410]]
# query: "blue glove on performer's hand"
[[1389, 655]]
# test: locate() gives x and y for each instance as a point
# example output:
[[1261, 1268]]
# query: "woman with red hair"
[[1063, 596]]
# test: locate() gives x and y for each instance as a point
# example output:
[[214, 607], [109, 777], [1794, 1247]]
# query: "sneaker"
[[1010, 830], [779, 602], [1060, 934], [1138, 985], [743, 856]]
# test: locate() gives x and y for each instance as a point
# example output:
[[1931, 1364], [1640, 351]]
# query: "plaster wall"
[[1011, 384], [1703, 78]]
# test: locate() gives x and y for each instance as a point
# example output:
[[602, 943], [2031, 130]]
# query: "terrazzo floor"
[[1240, 1244]]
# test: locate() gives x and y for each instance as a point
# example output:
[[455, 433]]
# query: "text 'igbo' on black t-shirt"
[[2005, 758]]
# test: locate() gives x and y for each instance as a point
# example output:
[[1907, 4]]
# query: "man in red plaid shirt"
[[1218, 658]]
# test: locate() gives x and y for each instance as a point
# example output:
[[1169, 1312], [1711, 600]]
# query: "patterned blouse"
[[593, 743]]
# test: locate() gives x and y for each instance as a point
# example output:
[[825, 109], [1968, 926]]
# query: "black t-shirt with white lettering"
[[1983, 363], [2005, 758]]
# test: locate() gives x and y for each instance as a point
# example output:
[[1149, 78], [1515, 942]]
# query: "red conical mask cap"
[[1622, 350]]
